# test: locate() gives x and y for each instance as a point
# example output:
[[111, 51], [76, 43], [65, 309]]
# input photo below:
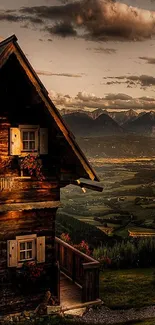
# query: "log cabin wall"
[[4, 136], [27, 190], [17, 223], [20, 104]]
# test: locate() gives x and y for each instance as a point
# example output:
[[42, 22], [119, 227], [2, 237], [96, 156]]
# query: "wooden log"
[[29, 206], [32, 195]]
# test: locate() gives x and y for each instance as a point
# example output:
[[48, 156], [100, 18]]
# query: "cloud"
[[34, 20], [25, 26], [99, 19], [64, 1], [63, 29], [143, 80], [145, 98], [10, 17], [14, 18], [147, 59], [118, 96], [48, 73], [102, 50], [85, 101], [85, 97]]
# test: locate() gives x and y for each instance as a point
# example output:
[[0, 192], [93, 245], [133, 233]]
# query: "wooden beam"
[[6, 53], [29, 206], [58, 309], [92, 186]]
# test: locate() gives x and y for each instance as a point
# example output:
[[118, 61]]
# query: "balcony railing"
[[80, 268]]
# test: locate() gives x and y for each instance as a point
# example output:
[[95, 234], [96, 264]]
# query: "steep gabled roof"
[[9, 46]]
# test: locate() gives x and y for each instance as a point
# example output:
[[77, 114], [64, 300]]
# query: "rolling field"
[[127, 201]]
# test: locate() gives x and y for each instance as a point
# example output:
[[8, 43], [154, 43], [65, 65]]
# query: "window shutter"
[[40, 249], [43, 141], [15, 145], [12, 253]]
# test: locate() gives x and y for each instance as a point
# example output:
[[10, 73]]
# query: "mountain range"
[[101, 122]]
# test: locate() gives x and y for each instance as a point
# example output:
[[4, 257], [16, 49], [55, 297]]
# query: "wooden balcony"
[[81, 269]]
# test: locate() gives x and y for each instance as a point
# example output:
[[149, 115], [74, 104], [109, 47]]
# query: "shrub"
[[127, 254]]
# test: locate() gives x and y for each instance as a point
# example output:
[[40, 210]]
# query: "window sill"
[[26, 153]]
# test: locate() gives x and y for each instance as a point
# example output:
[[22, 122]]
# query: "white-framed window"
[[25, 248], [27, 139]]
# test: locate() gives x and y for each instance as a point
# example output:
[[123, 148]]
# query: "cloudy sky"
[[88, 53]]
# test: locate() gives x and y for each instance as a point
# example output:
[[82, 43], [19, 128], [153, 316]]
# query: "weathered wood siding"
[[4, 137], [15, 190], [17, 223]]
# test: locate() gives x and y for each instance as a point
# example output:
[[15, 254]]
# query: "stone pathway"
[[104, 315]]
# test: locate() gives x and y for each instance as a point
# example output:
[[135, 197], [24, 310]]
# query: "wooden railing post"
[[90, 288], [73, 267], [58, 283]]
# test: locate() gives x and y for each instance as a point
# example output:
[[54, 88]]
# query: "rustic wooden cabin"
[[38, 156]]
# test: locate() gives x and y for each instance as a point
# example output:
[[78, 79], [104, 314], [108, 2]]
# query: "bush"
[[129, 253]]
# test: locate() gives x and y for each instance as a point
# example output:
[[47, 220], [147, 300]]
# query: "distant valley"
[[100, 122]]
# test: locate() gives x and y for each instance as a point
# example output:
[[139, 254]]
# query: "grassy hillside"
[[127, 202]]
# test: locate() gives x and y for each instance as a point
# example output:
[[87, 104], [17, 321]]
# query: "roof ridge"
[[8, 40]]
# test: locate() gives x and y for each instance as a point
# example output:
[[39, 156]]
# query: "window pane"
[[29, 245], [29, 254], [25, 135], [32, 135], [22, 246], [22, 256], [32, 145], [25, 145]]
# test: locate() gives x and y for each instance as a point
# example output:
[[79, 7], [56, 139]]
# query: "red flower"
[[33, 165]]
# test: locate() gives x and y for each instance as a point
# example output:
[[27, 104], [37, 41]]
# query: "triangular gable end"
[[9, 46]]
